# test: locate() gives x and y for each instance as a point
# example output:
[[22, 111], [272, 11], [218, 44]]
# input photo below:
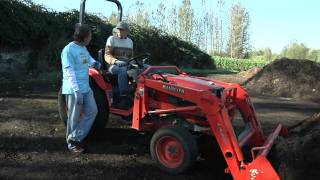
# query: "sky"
[[273, 23]]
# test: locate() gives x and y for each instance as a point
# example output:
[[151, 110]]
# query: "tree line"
[[212, 30], [218, 29], [293, 50]]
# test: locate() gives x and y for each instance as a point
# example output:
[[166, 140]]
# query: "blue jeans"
[[78, 126], [121, 72]]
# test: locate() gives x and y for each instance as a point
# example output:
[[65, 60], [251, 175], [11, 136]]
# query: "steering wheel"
[[139, 60]]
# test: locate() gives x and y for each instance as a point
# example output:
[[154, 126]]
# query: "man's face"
[[88, 39], [122, 33]]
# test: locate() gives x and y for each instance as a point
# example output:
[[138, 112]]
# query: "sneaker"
[[76, 147], [77, 150]]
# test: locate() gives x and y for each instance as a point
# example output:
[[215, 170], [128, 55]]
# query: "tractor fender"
[[98, 78]]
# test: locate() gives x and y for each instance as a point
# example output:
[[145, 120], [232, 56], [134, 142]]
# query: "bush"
[[233, 64], [166, 49], [25, 25]]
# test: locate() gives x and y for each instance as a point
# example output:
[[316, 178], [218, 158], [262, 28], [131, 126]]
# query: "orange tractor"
[[178, 107]]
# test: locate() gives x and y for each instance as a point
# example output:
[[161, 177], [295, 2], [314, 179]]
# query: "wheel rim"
[[170, 152]]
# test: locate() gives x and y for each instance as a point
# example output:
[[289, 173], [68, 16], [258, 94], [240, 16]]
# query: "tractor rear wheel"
[[174, 149], [102, 104], [62, 107]]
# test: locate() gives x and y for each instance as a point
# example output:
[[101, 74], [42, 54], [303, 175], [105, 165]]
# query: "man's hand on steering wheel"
[[139, 60]]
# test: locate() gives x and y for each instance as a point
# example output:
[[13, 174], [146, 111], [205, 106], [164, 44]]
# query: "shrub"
[[233, 64], [25, 25]]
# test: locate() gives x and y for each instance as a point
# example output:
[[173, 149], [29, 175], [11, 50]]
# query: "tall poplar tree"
[[186, 14], [238, 42]]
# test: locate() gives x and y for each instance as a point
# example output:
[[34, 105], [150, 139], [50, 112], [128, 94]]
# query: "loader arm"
[[259, 168], [218, 110]]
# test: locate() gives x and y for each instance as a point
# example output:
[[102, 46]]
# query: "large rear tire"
[[62, 107], [174, 149], [102, 104]]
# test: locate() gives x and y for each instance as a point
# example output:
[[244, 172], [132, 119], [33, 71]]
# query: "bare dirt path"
[[32, 142]]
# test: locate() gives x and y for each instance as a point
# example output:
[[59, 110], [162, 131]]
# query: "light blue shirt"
[[78, 58]]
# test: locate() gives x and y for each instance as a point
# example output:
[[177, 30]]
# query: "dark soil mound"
[[291, 78], [298, 154]]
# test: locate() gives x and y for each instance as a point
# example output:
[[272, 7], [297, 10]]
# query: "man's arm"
[[108, 53], [91, 60], [132, 50], [66, 58], [71, 76], [93, 63]]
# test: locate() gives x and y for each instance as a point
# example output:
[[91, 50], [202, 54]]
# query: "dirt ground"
[[32, 140]]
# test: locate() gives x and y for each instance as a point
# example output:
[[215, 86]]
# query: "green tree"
[[267, 54], [139, 15], [257, 52], [295, 51], [185, 16], [113, 19], [218, 27], [314, 55], [160, 17], [238, 43], [173, 21]]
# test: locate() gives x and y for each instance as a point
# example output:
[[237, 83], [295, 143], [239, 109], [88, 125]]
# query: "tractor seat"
[[104, 65]]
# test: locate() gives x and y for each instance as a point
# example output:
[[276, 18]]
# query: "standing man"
[[75, 60], [119, 49]]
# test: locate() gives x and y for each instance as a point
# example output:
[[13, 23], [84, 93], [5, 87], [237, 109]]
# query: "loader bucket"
[[260, 168]]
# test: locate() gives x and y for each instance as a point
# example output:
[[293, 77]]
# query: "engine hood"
[[193, 82]]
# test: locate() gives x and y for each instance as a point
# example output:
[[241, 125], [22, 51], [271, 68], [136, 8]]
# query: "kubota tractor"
[[178, 107]]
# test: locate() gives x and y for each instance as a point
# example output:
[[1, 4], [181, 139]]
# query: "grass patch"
[[204, 72]]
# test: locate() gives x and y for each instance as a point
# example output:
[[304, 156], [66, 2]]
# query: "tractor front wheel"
[[174, 149]]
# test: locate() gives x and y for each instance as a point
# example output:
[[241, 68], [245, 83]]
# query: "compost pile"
[[292, 78], [298, 155]]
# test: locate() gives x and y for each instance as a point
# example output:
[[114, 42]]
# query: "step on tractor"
[[178, 108]]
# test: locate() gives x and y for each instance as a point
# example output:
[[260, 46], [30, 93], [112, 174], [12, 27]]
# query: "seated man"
[[118, 50]]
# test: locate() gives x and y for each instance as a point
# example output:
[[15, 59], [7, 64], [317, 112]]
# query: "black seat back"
[[104, 64]]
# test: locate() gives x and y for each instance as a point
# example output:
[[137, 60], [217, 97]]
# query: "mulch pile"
[[292, 78], [299, 154]]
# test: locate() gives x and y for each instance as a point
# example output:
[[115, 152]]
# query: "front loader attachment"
[[260, 168], [231, 145], [210, 109]]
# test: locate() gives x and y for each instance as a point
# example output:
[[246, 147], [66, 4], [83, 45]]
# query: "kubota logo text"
[[174, 89]]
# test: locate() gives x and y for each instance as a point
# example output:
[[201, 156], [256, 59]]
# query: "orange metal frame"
[[218, 111]]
